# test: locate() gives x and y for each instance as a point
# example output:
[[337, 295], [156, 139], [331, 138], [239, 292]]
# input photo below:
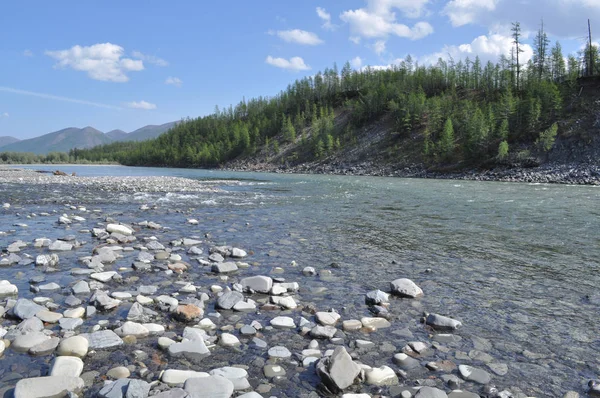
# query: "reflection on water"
[[516, 263]]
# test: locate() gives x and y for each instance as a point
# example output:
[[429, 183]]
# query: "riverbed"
[[516, 263]]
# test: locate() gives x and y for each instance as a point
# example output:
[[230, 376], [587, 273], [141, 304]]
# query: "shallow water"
[[516, 263]]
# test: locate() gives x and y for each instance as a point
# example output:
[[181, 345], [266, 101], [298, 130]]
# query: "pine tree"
[[540, 51], [446, 143], [516, 29], [559, 69]]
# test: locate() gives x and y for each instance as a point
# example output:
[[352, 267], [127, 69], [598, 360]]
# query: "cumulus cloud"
[[356, 62], [294, 64], [562, 18], [299, 37], [326, 18], [365, 23], [151, 59], [28, 53], [103, 61], [175, 81], [141, 105], [488, 47]]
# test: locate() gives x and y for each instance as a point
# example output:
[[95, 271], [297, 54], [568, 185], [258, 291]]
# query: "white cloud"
[[300, 37], [141, 105], [294, 64], [103, 61], [354, 39], [28, 53], [565, 19], [57, 98], [175, 81], [409, 8], [326, 18], [4, 115], [151, 59], [356, 62], [488, 47], [462, 12], [365, 23], [379, 47]]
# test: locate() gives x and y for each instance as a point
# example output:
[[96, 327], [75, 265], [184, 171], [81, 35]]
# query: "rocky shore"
[[118, 305], [575, 174]]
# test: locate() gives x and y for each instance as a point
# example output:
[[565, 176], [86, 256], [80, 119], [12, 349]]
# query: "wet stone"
[[476, 375], [103, 339], [228, 299], [209, 387]]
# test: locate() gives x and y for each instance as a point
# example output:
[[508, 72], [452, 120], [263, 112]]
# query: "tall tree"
[[559, 69], [516, 29], [540, 51]]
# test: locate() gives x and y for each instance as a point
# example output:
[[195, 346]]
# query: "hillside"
[[148, 132], [60, 141], [117, 135], [7, 140]]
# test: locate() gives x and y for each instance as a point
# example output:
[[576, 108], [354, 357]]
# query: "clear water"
[[516, 263]]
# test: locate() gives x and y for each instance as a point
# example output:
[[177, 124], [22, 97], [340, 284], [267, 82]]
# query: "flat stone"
[[405, 288], [24, 342], [237, 376], [174, 377], [283, 322], [248, 305], [132, 329], [376, 323], [48, 316], [76, 346], [70, 323], [188, 312], [192, 350], [351, 325], [273, 371], [78, 312], [103, 276], [59, 245], [376, 297], [48, 387], [327, 318], [228, 299], [66, 366], [406, 362], [209, 387], [279, 352], [476, 375], [430, 392], [103, 339], [222, 268], [81, 287], [119, 372], [45, 348], [49, 287], [116, 389], [323, 332], [228, 340], [26, 309]]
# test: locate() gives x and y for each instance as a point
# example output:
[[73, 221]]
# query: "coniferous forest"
[[460, 111]]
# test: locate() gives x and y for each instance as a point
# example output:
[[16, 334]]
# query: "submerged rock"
[[405, 288]]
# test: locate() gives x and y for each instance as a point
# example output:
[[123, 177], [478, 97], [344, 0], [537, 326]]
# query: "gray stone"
[[24, 342], [167, 303], [70, 323], [405, 362], [228, 299], [74, 346], [172, 393], [375, 297], [45, 348], [405, 288], [48, 387], [209, 387], [116, 389], [137, 389], [101, 300], [81, 287], [476, 375], [259, 284], [49, 287], [279, 352], [430, 392], [132, 329], [26, 309], [463, 394], [283, 322], [442, 322], [7, 289], [59, 245], [339, 371], [174, 376], [103, 339], [323, 332], [31, 325], [191, 350], [221, 268], [136, 313], [217, 258], [273, 371]]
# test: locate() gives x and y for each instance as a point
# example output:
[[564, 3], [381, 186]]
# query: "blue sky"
[[124, 64]]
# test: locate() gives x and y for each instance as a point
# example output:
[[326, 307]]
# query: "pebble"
[[66, 366]]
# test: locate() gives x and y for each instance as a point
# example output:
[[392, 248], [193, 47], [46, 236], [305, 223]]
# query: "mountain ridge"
[[87, 137]]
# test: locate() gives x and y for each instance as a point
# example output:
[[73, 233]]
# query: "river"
[[517, 264]]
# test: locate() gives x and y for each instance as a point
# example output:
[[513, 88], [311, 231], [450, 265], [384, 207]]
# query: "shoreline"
[[551, 173]]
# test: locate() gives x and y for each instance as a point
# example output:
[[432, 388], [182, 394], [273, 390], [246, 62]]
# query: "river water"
[[518, 264]]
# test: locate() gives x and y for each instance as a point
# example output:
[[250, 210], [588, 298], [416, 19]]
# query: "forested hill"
[[449, 115]]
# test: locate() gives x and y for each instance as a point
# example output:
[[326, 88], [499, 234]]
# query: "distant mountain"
[[60, 141], [117, 135], [149, 132], [72, 137], [7, 140]]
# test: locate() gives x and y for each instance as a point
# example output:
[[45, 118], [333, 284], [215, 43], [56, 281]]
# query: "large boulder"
[[339, 371], [405, 288]]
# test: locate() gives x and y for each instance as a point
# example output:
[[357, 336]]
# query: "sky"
[[117, 64]]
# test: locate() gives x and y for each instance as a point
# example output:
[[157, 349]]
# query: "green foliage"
[[502, 150], [446, 142], [547, 138]]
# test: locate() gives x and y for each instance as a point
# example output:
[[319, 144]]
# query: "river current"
[[517, 264]]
